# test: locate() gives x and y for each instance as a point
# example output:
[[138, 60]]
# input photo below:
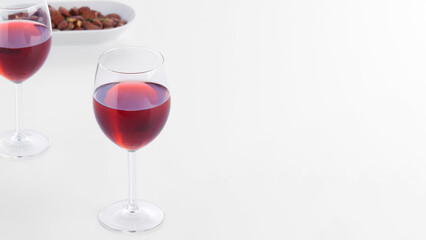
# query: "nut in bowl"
[[88, 22]]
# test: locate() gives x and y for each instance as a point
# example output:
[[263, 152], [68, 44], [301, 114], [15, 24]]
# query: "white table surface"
[[290, 120]]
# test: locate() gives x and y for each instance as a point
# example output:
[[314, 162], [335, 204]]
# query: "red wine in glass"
[[24, 46], [131, 113]]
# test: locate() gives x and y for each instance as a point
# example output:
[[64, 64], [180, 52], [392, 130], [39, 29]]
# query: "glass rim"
[[104, 54]]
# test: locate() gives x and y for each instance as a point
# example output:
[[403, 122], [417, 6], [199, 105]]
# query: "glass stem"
[[132, 206], [18, 112]]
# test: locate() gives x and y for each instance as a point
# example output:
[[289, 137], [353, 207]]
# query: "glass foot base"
[[118, 217], [31, 144]]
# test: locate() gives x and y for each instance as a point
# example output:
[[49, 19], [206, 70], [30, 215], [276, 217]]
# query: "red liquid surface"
[[24, 46], [131, 113]]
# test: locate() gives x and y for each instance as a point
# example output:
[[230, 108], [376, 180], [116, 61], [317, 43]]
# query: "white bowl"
[[101, 36]]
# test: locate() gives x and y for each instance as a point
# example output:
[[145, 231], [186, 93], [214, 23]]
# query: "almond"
[[56, 16], [74, 11], [90, 15], [83, 9], [113, 15], [97, 22], [62, 25], [90, 26], [64, 12]]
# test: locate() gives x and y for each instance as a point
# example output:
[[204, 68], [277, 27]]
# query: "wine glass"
[[25, 37], [131, 104]]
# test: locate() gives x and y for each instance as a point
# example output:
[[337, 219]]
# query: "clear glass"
[[131, 104], [25, 38]]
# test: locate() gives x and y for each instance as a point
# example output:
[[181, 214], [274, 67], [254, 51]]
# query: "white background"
[[290, 120]]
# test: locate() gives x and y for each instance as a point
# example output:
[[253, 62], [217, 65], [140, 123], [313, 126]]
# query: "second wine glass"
[[131, 102], [25, 37]]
